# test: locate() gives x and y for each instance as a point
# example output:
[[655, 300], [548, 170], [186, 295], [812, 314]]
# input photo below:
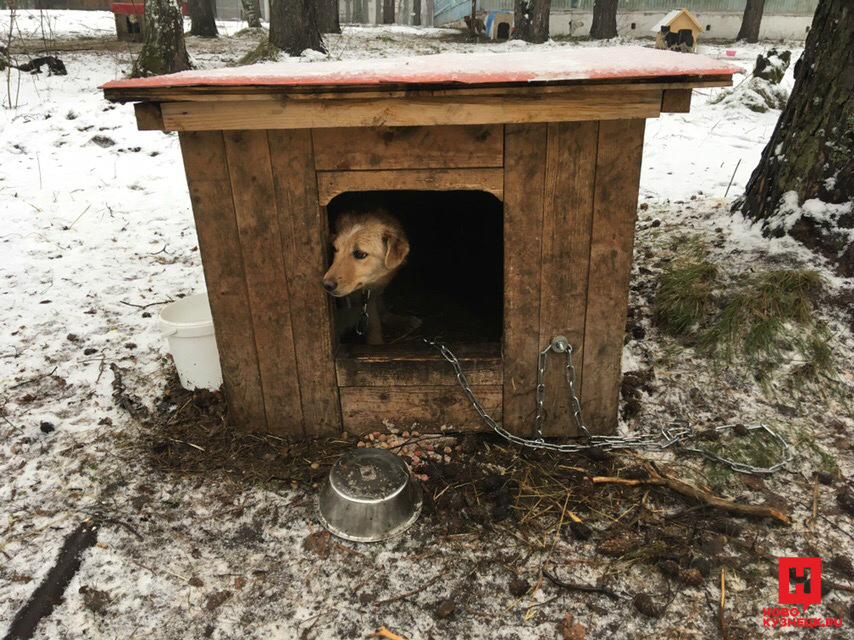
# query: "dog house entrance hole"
[[452, 280]]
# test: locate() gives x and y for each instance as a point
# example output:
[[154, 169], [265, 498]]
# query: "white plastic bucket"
[[188, 326]]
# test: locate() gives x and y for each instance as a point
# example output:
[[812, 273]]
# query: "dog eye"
[[359, 254]]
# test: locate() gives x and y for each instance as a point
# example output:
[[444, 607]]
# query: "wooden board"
[[618, 166], [304, 244], [450, 110], [333, 183], [676, 101], [409, 147], [238, 93], [148, 116], [367, 408], [524, 175], [261, 248], [406, 365], [213, 209], [567, 221]]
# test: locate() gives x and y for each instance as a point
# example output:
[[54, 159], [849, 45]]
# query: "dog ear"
[[396, 249]]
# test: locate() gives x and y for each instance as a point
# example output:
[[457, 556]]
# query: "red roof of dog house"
[[558, 65]]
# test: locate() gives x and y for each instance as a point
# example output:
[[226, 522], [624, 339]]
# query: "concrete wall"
[[723, 26]]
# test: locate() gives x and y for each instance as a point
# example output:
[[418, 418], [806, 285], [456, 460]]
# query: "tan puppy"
[[369, 250]]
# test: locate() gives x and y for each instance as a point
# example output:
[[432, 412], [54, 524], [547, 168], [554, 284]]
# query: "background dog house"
[[557, 136]]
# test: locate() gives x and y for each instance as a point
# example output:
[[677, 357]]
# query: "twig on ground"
[[811, 520], [721, 620], [144, 306], [580, 587], [691, 491], [403, 596], [36, 379], [385, 633]]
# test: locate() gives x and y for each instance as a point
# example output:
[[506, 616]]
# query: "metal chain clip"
[[672, 435]]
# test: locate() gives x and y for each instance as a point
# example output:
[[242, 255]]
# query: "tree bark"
[[751, 21], [430, 10], [203, 22], [416, 13], [293, 26], [163, 49], [327, 16], [532, 20], [388, 11], [252, 13], [604, 25], [812, 145]]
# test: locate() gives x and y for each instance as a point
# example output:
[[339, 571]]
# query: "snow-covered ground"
[[96, 225]]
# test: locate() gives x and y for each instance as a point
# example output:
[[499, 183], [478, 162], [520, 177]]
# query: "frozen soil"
[[206, 533]]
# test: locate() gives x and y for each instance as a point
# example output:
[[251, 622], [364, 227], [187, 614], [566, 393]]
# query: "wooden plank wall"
[[570, 194], [618, 167], [260, 234]]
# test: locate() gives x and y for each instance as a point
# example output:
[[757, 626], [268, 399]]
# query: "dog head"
[[369, 249]]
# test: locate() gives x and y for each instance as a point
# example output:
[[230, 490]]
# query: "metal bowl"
[[369, 496]]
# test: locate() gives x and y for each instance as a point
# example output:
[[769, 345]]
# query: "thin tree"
[[163, 48], [202, 20], [327, 16], [388, 11], [532, 20], [430, 7], [604, 25], [416, 12], [811, 148], [751, 21], [293, 26], [251, 13]]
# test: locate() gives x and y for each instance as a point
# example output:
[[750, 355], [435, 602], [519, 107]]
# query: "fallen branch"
[[403, 596], [691, 491], [580, 587], [385, 633]]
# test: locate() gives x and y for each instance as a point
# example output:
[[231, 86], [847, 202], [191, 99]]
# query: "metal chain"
[[673, 434], [364, 317]]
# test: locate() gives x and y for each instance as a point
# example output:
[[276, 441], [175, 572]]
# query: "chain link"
[[673, 435], [364, 317]]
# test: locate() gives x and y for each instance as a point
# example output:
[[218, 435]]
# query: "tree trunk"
[[327, 16], [604, 26], [163, 49], [388, 11], [202, 18], [378, 11], [532, 20], [812, 145], [293, 26], [751, 21], [416, 12], [366, 11], [430, 9], [251, 13]]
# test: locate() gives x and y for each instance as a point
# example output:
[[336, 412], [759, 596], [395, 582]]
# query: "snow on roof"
[[666, 20], [630, 63]]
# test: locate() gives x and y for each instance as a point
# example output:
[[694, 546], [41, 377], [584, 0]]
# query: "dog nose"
[[330, 285]]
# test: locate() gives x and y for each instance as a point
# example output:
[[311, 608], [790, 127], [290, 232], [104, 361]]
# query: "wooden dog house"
[[557, 136]]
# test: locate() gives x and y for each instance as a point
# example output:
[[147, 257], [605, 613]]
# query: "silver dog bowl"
[[369, 496]]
